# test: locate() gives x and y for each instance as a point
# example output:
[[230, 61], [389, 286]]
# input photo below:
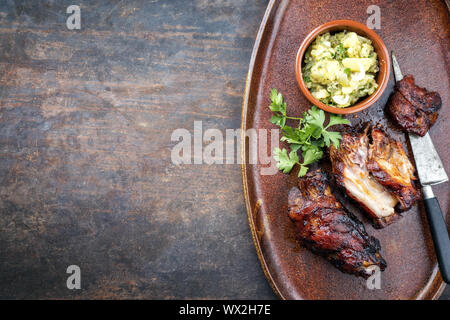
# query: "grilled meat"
[[389, 165], [349, 163], [406, 115], [327, 228], [414, 108]]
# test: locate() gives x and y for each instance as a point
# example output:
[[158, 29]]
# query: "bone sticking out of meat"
[[390, 166], [414, 108], [349, 163], [327, 228]]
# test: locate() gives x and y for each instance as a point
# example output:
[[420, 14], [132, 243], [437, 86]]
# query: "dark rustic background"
[[85, 124]]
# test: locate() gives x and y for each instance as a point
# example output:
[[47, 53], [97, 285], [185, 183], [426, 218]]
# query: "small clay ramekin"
[[384, 61]]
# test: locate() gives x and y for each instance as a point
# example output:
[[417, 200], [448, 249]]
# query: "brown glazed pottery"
[[380, 49], [418, 33]]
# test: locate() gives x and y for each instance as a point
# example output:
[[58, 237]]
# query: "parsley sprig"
[[310, 136]]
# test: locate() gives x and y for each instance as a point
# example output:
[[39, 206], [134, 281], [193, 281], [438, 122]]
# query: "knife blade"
[[430, 171], [428, 164]]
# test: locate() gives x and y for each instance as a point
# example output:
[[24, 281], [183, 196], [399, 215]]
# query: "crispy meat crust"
[[327, 228], [349, 164], [414, 108], [390, 166]]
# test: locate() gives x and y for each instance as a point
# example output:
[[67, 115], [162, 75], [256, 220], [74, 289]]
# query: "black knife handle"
[[440, 236]]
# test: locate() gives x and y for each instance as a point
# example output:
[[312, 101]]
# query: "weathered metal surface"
[[418, 33], [429, 166], [85, 124]]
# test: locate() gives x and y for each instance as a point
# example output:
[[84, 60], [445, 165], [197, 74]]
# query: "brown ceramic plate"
[[418, 32]]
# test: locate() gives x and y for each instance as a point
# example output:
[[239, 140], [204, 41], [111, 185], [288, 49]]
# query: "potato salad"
[[339, 69]]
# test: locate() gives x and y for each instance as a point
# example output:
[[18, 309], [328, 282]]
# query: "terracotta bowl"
[[384, 61]]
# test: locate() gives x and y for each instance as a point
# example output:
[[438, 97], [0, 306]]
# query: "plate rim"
[[244, 110]]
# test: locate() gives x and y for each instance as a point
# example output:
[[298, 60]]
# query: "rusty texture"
[[418, 32]]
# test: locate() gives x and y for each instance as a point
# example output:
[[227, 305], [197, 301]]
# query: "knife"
[[430, 171]]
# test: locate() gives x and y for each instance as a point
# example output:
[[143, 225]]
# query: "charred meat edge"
[[328, 229], [415, 109], [349, 163], [390, 166]]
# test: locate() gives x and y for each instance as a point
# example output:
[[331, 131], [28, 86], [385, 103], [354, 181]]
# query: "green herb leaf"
[[316, 117], [347, 71], [336, 119], [295, 147], [289, 135], [273, 94], [303, 170], [285, 162], [310, 136], [334, 137], [311, 155], [277, 119], [277, 104]]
